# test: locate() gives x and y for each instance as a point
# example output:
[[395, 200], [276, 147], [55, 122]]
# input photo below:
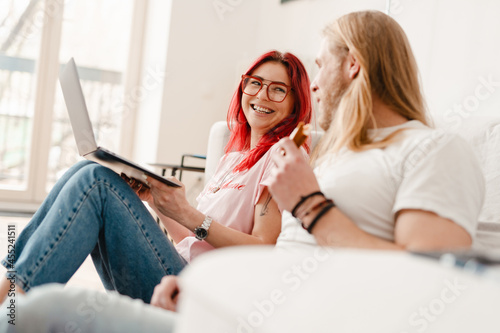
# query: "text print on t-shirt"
[[229, 185]]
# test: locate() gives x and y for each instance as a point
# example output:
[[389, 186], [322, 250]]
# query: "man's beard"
[[330, 103]]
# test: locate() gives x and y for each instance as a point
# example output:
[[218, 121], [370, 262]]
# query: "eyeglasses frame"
[[244, 76]]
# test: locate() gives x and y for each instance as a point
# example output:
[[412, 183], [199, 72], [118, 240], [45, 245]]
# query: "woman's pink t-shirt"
[[233, 204]]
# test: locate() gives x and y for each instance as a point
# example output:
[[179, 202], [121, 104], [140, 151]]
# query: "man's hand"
[[292, 177], [166, 293]]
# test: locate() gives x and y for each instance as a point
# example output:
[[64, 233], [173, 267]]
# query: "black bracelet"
[[318, 205], [320, 214], [303, 199]]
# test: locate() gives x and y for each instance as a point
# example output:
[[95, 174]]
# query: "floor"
[[86, 276]]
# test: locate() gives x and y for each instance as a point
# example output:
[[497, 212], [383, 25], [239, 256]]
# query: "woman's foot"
[[8, 288]]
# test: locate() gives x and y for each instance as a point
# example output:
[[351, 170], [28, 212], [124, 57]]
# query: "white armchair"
[[217, 140]]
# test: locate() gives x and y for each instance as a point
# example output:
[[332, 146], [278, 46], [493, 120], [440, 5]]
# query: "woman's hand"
[[292, 177], [170, 201], [139, 188], [166, 293]]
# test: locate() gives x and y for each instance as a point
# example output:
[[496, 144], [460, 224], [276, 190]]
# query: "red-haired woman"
[[91, 210]]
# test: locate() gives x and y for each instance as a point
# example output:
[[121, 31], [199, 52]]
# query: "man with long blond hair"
[[383, 178]]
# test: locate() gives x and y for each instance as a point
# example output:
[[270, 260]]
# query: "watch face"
[[201, 233]]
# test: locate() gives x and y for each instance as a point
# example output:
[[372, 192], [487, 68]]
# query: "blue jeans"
[[91, 210]]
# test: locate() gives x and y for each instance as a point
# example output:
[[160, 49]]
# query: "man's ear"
[[353, 66]]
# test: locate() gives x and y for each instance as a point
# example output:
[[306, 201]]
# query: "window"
[[96, 33], [37, 38], [20, 40]]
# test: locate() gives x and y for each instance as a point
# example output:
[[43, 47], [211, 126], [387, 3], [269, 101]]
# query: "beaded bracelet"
[[303, 199], [317, 217]]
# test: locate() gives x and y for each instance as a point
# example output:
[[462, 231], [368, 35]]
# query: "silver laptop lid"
[[77, 109]]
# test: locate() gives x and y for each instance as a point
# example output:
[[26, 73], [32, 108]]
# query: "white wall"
[[204, 51], [299, 24], [212, 42], [456, 44]]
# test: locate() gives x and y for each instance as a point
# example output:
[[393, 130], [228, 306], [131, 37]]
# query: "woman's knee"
[[78, 166], [92, 173], [83, 163]]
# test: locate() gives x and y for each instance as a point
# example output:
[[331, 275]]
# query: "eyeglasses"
[[276, 91]]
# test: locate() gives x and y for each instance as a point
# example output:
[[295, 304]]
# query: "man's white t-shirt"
[[426, 169]]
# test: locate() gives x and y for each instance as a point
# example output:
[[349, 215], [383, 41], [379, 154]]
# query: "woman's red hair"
[[302, 111]]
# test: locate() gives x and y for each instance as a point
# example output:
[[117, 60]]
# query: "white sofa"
[[258, 289], [482, 133]]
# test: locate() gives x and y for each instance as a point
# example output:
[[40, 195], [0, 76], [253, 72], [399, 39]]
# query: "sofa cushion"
[[483, 133]]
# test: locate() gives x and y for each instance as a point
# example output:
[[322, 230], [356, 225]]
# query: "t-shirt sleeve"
[[443, 176]]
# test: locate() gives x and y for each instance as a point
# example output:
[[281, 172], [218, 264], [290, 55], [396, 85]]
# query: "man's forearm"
[[337, 230]]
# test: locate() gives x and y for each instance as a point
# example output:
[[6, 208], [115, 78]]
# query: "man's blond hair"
[[387, 69]]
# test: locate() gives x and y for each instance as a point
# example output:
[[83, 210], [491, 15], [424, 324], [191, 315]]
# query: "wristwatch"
[[201, 232]]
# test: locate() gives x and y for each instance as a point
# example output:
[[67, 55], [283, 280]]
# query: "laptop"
[[84, 133]]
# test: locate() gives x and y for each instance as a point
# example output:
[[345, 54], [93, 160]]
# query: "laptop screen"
[[77, 109]]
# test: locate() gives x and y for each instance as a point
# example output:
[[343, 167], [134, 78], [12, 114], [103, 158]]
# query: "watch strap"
[[201, 232]]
